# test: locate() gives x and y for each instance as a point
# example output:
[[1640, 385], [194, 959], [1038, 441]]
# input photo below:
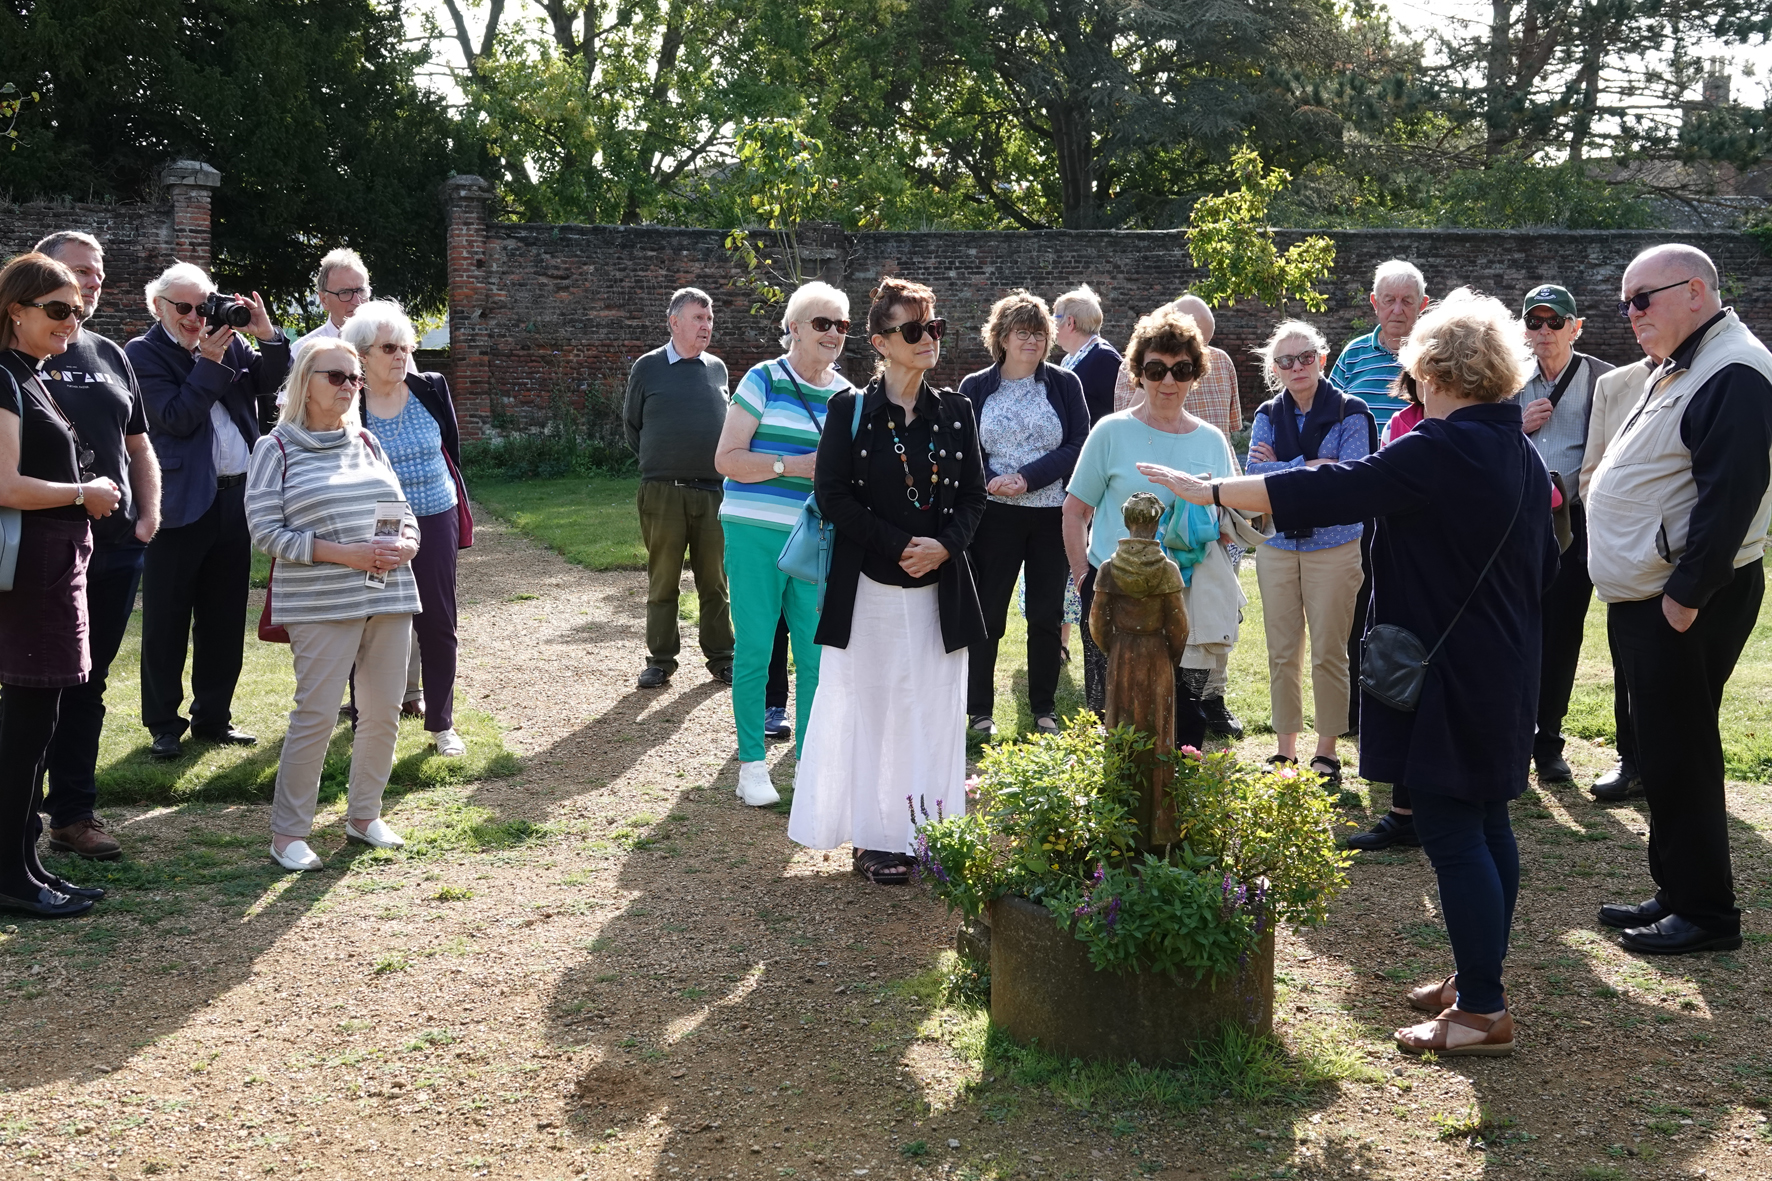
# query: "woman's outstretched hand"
[[1186, 487]]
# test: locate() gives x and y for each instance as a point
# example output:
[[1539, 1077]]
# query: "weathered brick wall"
[[138, 241], [562, 309]]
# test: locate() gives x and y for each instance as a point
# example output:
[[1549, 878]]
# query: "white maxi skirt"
[[888, 727]]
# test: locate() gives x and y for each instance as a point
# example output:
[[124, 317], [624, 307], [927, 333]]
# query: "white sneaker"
[[754, 786], [296, 856], [377, 834], [450, 744]]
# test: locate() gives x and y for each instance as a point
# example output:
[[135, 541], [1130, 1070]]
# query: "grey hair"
[[344, 256], [1192, 305], [1697, 260], [1393, 269], [178, 272], [1286, 330], [806, 293], [53, 244], [1081, 305], [375, 319], [688, 295]]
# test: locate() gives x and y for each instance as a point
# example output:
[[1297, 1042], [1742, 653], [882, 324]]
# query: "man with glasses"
[[1557, 405], [208, 398], [674, 412], [96, 388], [1677, 519], [342, 283]]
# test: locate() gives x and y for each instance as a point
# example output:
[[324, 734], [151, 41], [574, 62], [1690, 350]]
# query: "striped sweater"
[[328, 492], [768, 393]]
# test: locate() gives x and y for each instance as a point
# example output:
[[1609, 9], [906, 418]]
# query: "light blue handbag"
[[807, 554]]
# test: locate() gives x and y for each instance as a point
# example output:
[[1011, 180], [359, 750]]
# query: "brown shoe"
[[413, 709], [1434, 998], [1457, 1034], [86, 838]]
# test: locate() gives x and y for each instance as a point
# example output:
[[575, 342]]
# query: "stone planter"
[[1045, 990]]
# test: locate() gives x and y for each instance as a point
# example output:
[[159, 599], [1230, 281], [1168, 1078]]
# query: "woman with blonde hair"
[[1462, 552], [1032, 421], [341, 588]]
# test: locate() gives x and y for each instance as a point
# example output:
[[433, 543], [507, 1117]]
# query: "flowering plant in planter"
[[1055, 823]]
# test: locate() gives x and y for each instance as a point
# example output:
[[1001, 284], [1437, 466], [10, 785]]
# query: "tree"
[[1230, 238]]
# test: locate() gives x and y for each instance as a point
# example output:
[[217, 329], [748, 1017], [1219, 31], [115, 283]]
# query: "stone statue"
[[1139, 619]]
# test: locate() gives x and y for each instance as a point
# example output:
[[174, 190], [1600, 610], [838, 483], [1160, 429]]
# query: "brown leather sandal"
[[1435, 998], [1457, 1034]]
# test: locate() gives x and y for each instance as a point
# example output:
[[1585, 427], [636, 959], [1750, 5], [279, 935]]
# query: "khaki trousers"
[[324, 654], [675, 518], [1314, 590]]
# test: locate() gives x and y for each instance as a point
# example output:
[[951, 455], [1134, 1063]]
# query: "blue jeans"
[[1471, 846], [111, 581]]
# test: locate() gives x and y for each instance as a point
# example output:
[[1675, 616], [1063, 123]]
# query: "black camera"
[[224, 311]]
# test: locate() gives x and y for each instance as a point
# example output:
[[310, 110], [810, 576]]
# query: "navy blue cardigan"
[[1442, 496], [1065, 392]]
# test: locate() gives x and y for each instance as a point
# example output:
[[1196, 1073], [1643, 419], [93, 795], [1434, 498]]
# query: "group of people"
[[157, 466], [1443, 501]]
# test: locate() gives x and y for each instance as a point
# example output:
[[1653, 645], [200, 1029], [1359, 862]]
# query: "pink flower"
[[1193, 752]]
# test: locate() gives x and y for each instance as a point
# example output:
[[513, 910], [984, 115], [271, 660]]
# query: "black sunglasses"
[[339, 377], [913, 331], [1555, 323], [1640, 300], [183, 309], [825, 324], [390, 348], [1288, 360], [1157, 371], [57, 309]]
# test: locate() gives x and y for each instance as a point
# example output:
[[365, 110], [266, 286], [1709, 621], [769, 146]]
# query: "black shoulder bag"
[[1562, 518], [1393, 663]]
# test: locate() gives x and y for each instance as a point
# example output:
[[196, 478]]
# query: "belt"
[[232, 481], [701, 485]]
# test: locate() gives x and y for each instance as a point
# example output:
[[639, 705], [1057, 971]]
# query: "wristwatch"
[[79, 495], [779, 467]]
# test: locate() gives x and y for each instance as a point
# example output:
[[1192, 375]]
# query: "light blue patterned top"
[[414, 445], [1347, 442]]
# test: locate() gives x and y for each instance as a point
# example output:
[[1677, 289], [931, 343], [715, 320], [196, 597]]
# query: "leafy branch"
[[10, 103], [1229, 237]]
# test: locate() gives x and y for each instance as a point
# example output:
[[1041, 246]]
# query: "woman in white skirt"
[[886, 742]]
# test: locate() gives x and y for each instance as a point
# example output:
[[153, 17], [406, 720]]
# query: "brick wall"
[[562, 309]]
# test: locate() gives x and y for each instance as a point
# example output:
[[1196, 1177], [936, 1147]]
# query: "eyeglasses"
[[1289, 360], [349, 294], [1024, 335], [183, 309], [1640, 300], [913, 331], [1157, 371], [1555, 323], [57, 309], [390, 348], [825, 324], [340, 377]]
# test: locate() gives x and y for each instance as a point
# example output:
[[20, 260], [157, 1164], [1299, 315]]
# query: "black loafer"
[[1553, 768], [1673, 935], [1620, 783], [226, 737], [1620, 917], [653, 677], [165, 746], [1391, 829], [723, 675], [47, 904]]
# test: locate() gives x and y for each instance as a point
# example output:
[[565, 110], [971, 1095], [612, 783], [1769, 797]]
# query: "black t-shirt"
[[95, 386], [46, 446], [887, 489]]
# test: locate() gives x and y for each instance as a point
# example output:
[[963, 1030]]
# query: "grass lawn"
[[593, 523]]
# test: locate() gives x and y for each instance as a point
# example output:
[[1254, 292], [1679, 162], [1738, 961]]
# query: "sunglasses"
[[1157, 371], [913, 331], [349, 294], [390, 348], [1640, 300], [1289, 360], [57, 309], [1554, 323], [183, 309], [340, 377], [825, 324]]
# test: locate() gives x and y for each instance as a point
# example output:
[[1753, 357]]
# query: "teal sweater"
[[673, 415]]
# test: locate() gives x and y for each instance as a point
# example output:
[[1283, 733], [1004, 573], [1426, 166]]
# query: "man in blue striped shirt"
[[1368, 365]]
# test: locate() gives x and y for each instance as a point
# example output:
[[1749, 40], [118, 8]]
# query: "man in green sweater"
[[675, 408]]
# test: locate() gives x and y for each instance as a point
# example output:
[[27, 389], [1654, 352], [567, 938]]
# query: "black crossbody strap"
[[1525, 476], [804, 404], [1562, 387]]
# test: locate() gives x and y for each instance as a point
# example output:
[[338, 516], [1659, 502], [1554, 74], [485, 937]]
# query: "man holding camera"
[[208, 396]]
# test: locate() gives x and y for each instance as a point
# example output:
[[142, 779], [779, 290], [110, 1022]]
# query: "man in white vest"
[[1677, 520]]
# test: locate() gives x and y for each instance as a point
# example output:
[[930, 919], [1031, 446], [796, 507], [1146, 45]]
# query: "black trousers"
[[775, 690], [1621, 716], [1565, 617], [1356, 635], [1009, 538], [1190, 722], [111, 581], [27, 719], [1676, 684], [194, 583]]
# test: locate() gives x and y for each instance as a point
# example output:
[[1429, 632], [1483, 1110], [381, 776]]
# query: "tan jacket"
[[1615, 395]]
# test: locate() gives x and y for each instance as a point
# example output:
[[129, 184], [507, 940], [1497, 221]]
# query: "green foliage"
[[1514, 193], [780, 180], [585, 439], [1158, 916], [9, 109], [1229, 236]]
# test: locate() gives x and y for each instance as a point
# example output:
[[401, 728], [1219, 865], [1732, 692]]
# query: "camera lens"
[[237, 315]]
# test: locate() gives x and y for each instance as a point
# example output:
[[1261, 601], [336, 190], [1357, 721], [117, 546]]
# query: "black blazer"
[[845, 497], [1065, 391]]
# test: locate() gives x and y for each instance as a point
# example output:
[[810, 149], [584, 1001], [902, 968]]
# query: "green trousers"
[[674, 519], [761, 595]]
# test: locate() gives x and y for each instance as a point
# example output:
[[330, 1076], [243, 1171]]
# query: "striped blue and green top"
[[767, 392], [1368, 370]]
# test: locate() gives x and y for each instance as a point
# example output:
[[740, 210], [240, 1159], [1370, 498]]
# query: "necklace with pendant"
[[910, 484]]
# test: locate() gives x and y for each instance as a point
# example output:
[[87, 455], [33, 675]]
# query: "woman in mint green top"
[[766, 452], [1167, 356]]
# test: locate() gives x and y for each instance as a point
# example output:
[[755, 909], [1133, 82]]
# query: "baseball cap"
[[1551, 296]]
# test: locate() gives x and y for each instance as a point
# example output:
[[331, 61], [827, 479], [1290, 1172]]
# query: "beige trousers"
[[324, 653], [1314, 590]]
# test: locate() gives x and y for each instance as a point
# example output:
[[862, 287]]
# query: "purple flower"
[[1113, 913]]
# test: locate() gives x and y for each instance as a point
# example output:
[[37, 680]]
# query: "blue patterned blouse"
[[414, 444]]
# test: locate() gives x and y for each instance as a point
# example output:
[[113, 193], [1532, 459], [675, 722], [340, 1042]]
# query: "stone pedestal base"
[[1045, 990]]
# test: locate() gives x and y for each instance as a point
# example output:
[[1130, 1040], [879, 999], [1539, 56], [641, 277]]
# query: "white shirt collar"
[[1071, 359], [672, 356]]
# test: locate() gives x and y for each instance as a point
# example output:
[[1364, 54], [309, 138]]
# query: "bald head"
[[1193, 305], [1679, 285]]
